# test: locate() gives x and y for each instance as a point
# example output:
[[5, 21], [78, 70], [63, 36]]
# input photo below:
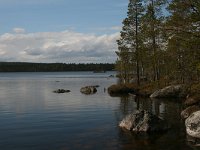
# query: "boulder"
[[61, 91], [188, 111], [143, 121], [88, 90], [192, 124], [173, 91]]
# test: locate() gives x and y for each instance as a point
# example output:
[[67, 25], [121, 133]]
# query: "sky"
[[67, 31]]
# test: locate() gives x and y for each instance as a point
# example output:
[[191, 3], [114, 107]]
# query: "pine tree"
[[184, 38], [152, 35], [130, 42]]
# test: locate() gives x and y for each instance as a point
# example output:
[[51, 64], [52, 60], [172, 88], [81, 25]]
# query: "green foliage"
[[129, 44], [153, 36], [184, 38], [121, 89], [160, 47], [198, 67]]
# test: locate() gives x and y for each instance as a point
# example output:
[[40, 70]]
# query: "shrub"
[[121, 89]]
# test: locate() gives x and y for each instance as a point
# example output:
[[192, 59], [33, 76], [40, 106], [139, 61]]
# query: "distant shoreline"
[[54, 67]]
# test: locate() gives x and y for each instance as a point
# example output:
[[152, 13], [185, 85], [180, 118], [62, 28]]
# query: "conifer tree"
[[152, 35], [184, 38], [130, 43]]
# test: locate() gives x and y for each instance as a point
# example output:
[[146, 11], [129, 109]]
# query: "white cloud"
[[19, 30], [65, 46]]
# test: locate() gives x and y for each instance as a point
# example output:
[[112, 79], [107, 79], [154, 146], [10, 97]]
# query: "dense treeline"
[[160, 41], [51, 67]]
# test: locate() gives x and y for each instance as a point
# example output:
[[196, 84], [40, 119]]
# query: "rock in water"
[[188, 111], [174, 91], [61, 91], [143, 121], [192, 124], [88, 90], [130, 121]]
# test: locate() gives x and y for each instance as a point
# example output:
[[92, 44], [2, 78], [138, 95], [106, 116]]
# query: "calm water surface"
[[32, 117]]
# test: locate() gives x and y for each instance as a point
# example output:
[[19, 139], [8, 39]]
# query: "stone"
[[188, 111], [192, 124], [173, 91], [61, 91], [143, 121], [111, 76], [88, 90], [96, 86]]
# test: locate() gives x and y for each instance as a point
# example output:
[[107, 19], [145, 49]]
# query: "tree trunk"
[[137, 48]]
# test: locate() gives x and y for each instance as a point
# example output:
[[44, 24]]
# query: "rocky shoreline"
[[144, 121], [190, 113]]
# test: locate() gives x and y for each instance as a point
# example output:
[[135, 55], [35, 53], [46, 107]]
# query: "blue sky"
[[69, 31], [57, 15]]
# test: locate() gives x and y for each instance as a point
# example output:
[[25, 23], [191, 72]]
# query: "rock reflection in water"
[[167, 109]]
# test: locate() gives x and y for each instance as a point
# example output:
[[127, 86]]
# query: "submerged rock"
[[193, 142], [143, 121], [61, 91], [96, 86], [192, 124], [173, 91], [111, 76], [88, 90], [188, 111]]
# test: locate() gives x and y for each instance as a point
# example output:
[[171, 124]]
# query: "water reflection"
[[33, 117], [167, 109], [163, 108]]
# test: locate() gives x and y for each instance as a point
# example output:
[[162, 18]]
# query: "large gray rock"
[[192, 124], [143, 121], [88, 90], [173, 91]]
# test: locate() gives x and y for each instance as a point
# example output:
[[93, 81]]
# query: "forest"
[[52, 67], [160, 42]]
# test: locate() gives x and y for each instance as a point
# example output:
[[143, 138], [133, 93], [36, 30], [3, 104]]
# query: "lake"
[[32, 117]]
